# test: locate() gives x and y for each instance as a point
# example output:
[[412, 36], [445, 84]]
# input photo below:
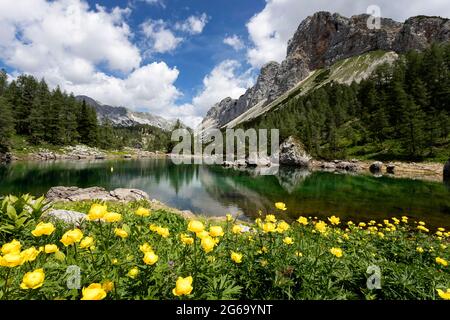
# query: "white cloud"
[[271, 28], [161, 38], [235, 42], [193, 24]]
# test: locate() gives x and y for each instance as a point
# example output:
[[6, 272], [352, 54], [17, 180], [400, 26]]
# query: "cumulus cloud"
[[271, 28], [193, 24], [235, 42], [161, 38]]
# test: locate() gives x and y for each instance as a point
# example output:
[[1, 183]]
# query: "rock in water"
[[95, 193], [390, 168], [376, 167], [347, 166], [447, 171], [292, 153]]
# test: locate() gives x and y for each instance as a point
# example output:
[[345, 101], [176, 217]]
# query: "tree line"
[[402, 111], [30, 109]]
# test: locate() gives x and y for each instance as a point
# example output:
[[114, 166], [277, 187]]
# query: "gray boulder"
[[390, 168], [6, 157], [376, 167], [94, 193], [72, 218], [347, 166], [292, 153]]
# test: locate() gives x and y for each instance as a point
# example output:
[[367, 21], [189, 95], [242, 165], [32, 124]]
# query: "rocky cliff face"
[[320, 41]]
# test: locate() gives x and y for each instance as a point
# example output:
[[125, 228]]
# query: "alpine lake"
[[215, 191]]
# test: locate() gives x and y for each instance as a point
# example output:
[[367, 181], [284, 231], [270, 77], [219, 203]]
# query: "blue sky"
[[174, 58]]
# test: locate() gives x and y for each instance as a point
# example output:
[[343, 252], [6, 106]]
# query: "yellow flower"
[[444, 294], [29, 254], [94, 291], [183, 286], [269, 227], [33, 280], [43, 229], [288, 240], [133, 272], [362, 224], [216, 231], [11, 260], [421, 223], [334, 220], [120, 233], [115, 261], [380, 234], [350, 223], [60, 256], [97, 211], [87, 242], [282, 226], [236, 257], [150, 258], [336, 252], [441, 261], [280, 206], [202, 234], [186, 239], [11, 247], [146, 248], [142, 212], [264, 263], [195, 226], [163, 232], [236, 229], [71, 236], [208, 244], [302, 220], [271, 218], [298, 254], [112, 217], [443, 246], [50, 248], [422, 228], [441, 229], [108, 286], [321, 227], [229, 217], [419, 249], [439, 233]]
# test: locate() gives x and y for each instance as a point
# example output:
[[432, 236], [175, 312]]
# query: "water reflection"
[[213, 190]]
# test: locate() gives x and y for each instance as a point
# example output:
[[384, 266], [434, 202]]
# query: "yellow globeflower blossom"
[[334, 220], [282, 226], [421, 223], [280, 206], [441, 261], [202, 234], [112, 217], [288, 240], [195, 226], [236, 257], [298, 254], [186, 239], [29, 254], [441, 229], [381, 234], [133, 273], [229, 217], [270, 218], [163, 232], [208, 244], [142, 212], [216, 231], [145, 248], [422, 228], [150, 258], [444, 294], [336, 252], [362, 224], [108, 286], [11, 260], [302, 220], [11, 247], [183, 286], [121, 233], [269, 227], [97, 211], [439, 233], [236, 229], [43, 229], [50, 248], [33, 280], [87, 242], [321, 227], [94, 291], [71, 236]]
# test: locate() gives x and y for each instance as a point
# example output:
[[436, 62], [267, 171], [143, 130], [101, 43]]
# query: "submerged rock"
[[94, 193], [390, 168], [376, 167], [347, 166], [293, 153]]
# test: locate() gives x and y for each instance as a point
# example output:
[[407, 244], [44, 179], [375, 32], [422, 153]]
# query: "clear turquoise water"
[[213, 190]]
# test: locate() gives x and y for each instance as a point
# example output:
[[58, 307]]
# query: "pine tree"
[[87, 125], [6, 125]]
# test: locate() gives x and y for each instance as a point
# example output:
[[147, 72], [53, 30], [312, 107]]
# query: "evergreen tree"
[[6, 125], [87, 125]]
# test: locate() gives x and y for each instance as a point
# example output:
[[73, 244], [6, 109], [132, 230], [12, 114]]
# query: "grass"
[[265, 259]]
